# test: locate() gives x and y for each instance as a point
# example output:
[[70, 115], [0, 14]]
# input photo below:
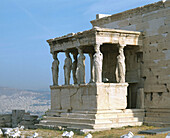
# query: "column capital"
[[122, 40], [80, 51], [55, 55]]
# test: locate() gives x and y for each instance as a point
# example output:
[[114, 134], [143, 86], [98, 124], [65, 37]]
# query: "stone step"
[[131, 124], [74, 125], [155, 114], [102, 120], [130, 119], [122, 115], [158, 124], [158, 110], [68, 124], [133, 110], [98, 116], [95, 121], [100, 127], [157, 119], [78, 115], [81, 120], [90, 114]]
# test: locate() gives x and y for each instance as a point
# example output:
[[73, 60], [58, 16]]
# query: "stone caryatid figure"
[[55, 69], [74, 67], [97, 65], [120, 67], [67, 68], [80, 72]]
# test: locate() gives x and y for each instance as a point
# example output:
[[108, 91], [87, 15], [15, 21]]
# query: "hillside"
[[35, 102]]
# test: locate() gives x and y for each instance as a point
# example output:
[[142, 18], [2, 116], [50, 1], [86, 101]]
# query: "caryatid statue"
[[55, 69], [120, 67], [74, 67], [67, 68], [97, 64], [80, 72]]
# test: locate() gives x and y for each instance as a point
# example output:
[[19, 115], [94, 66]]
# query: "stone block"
[[111, 95], [29, 117], [90, 97], [17, 116], [123, 23], [154, 26], [157, 100], [140, 98], [56, 99], [65, 99], [135, 20]]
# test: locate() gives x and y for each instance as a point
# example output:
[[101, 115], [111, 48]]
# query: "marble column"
[[55, 69], [120, 66], [74, 67], [67, 68], [97, 64], [80, 72]]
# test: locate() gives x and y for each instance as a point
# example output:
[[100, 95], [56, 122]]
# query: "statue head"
[[121, 49], [75, 56], [80, 51], [97, 48], [67, 54]]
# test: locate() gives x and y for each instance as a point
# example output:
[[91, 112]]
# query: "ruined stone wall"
[[18, 118], [5, 120], [154, 21]]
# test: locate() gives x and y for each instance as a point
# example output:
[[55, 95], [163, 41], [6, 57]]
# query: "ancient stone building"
[[130, 72]]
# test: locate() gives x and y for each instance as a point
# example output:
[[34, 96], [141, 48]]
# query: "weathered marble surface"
[[93, 96], [67, 68], [140, 99], [74, 67], [80, 72], [97, 64], [120, 66], [55, 69]]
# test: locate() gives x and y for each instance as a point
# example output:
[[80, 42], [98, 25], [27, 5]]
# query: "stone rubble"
[[11, 132], [18, 118], [67, 134], [35, 135], [1, 133], [88, 136], [129, 135]]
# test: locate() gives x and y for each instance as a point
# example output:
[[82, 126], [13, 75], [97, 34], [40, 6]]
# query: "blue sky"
[[25, 25]]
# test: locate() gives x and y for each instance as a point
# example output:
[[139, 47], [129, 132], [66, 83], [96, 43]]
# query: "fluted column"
[[67, 68], [55, 69]]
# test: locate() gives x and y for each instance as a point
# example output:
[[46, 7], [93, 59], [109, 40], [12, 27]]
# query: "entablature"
[[92, 37]]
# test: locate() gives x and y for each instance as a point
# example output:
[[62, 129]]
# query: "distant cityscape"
[[35, 102]]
